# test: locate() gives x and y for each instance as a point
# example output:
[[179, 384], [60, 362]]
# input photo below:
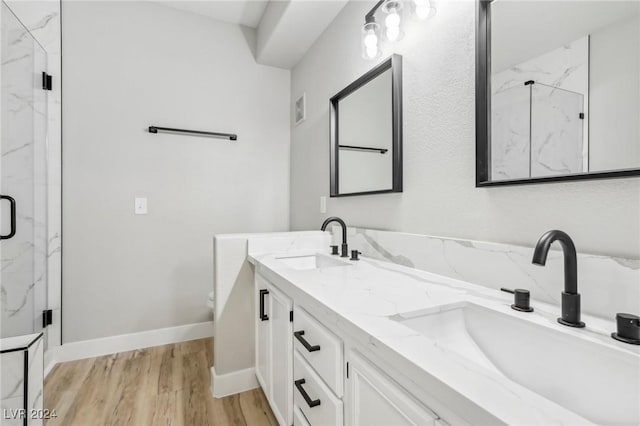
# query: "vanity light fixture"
[[370, 38], [392, 24]]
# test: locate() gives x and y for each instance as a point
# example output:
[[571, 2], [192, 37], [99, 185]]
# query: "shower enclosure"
[[537, 130], [23, 180]]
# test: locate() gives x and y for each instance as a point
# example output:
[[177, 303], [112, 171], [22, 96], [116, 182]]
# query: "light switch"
[[141, 205], [323, 204]]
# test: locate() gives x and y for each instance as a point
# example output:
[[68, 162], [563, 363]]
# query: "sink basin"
[[314, 261], [597, 382]]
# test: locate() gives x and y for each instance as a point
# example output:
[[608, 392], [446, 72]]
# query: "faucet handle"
[[334, 250], [521, 299], [628, 329], [354, 254]]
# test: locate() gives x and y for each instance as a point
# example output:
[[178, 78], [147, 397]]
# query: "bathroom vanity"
[[373, 342]]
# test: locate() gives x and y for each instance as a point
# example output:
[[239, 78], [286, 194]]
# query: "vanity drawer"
[[320, 347], [298, 417], [313, 397]]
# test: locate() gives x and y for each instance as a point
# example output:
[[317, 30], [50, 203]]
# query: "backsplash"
[[608, 284]]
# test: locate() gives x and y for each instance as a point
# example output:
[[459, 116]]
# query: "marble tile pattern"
[[12, 377], [363, 300], [42, 19], [556, 131], [510, 133], [608, 284], [567, 68], [289, 242], [23, 149]]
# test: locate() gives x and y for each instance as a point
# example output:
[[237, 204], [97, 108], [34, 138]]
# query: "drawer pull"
[[310, 402], [263, 316], [298, 335]]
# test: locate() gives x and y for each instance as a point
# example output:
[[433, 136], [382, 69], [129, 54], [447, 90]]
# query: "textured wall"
[[439, 150], [126, 273]]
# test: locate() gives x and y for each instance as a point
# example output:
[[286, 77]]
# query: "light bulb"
[[423, 9], [393, 33], [393, 19], [370, 40], [392, 24]]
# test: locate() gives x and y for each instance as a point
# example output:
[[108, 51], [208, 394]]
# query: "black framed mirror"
[[557, 91], [366, 133]]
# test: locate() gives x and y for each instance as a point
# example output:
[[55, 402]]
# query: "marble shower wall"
[[544, 118], [42, 19], [14, 353], [608, 284], [23, 111]]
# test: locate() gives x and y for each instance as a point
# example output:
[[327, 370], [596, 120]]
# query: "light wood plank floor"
[[164, 385]]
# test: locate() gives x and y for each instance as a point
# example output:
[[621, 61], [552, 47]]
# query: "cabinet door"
[[262, 333], [298, 417], [372, 398], [281, 355]]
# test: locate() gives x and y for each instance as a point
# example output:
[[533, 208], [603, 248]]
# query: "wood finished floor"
[[164, 385]]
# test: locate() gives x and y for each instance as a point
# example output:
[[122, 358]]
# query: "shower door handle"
[[12, 204]]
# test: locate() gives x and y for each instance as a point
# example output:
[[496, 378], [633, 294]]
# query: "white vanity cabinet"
[[274, 350], [262, 333], [372, 398], [310, 379], [317, 371]]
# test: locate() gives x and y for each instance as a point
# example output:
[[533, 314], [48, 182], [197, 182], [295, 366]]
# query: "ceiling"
[[285, 29], [242, 12], [521, 30]]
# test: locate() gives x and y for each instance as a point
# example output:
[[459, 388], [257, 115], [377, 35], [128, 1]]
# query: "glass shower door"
[[510, 133], [23, 180], [557, 142]]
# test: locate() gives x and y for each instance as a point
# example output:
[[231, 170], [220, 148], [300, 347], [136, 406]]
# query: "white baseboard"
[[127, 342], [232, 383]]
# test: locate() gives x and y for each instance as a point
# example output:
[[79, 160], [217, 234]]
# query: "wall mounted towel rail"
[[230, 136], [364, 148]]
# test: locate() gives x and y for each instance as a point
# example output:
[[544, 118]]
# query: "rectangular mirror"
[[366, 133], [558, 90]]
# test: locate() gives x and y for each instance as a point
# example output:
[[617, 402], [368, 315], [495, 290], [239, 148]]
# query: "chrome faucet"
[[345, 248], [570, 296]]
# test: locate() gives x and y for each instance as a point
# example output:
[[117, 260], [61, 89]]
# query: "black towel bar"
[[230, 136], [364, 148]]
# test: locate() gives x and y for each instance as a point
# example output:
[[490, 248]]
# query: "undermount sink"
[[597, 382], [313, 261]]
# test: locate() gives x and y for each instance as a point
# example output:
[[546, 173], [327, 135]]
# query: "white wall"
[[128, 65], [439, 196], [615, 96]]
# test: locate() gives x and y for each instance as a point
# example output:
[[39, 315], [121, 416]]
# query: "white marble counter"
[[363, 299]]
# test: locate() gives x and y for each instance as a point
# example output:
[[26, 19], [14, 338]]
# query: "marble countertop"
[[363, 299]]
